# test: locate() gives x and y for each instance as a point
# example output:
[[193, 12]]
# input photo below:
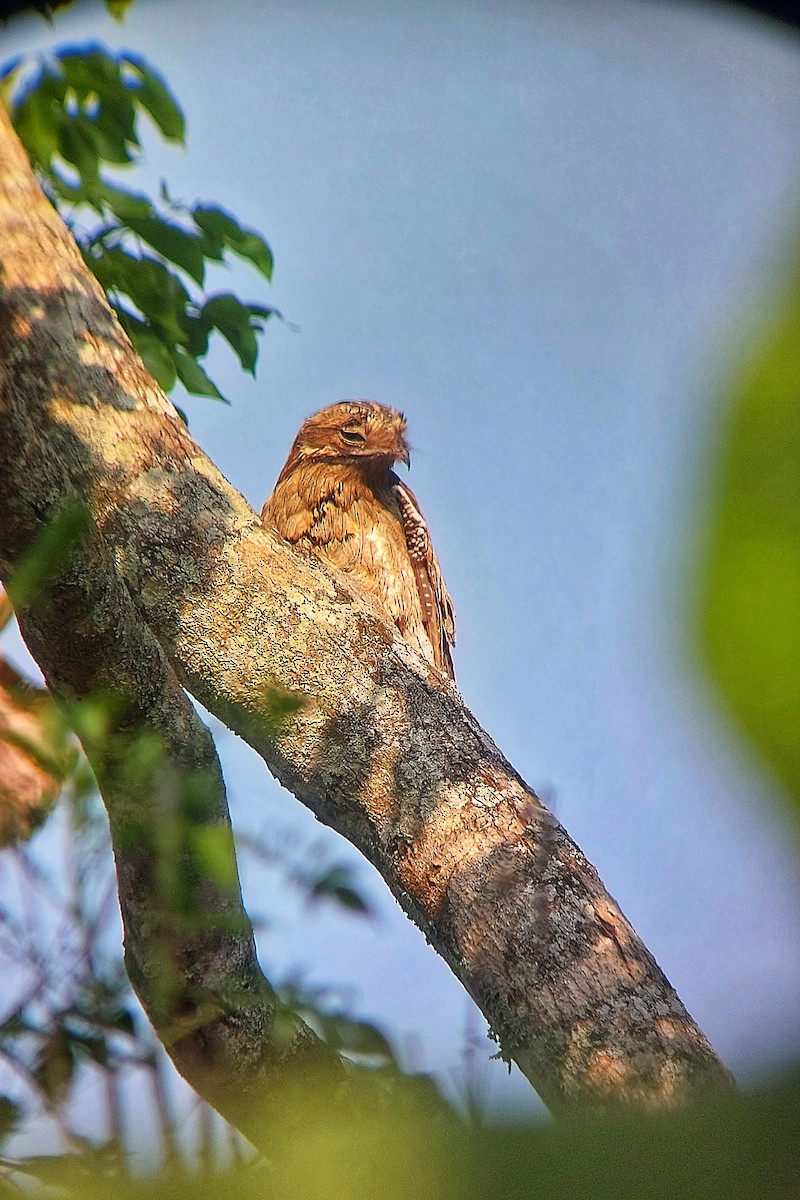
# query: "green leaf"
[[71, 193], [114, 143], [119, 108], [118, 8], [750, 615], [116, 1019], [337, 884], [155, 96], [124, 204], [177, 245], [153, 287], [38, 119], [89, 70], [197, 332], [107, 139], [158, 294], [253, 247], [232, 318], [224, 228], [76, 145], [95, 76], [155, 354], [193, 377], [259, 310]]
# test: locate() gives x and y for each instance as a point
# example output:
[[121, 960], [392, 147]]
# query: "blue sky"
[[541, 229]]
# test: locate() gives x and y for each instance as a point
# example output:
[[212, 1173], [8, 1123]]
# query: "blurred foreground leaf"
[[338, 884], [750, 615], [50, 553], [732, 1149]]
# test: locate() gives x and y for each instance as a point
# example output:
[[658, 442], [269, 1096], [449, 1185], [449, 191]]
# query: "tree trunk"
[[176, 579]]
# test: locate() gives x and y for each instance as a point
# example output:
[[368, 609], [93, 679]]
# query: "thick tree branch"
[[383, 749]]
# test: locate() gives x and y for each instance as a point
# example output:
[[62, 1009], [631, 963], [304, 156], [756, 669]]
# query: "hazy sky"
[[540, 229]]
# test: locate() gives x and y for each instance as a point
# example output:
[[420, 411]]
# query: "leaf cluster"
[[78, 114]]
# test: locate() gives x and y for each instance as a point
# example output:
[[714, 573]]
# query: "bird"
[[338, 498]]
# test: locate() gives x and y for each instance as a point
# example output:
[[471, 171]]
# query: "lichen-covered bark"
[[382, 749]]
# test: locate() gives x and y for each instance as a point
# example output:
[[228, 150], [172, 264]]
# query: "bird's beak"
[[403, 452]]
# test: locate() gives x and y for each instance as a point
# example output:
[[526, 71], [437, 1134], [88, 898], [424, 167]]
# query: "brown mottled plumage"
[[338, 497]]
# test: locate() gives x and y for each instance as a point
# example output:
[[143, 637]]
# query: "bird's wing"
[[437, 607]]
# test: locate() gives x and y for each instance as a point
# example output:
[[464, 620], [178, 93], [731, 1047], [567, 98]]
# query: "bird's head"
[[354, 430]]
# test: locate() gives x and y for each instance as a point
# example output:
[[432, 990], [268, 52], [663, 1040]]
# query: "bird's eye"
[[353, 436]]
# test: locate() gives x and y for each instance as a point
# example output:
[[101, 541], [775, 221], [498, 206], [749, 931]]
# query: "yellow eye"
[[352, 436]]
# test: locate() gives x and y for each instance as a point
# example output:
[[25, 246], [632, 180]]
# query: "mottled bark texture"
[[382, 749]]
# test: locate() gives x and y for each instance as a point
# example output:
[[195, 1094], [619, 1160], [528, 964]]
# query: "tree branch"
[[382, 749]]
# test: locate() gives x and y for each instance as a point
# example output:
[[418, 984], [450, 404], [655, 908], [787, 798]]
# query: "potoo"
[[338, 497]]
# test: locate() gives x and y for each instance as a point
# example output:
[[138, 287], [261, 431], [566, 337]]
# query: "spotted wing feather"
[[437, 607]]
